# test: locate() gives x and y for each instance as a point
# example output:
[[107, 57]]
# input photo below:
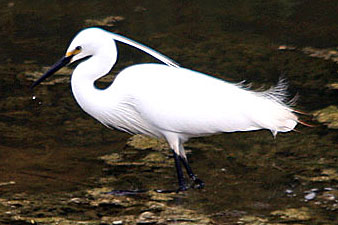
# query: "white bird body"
[[178, 103], [166, 100]]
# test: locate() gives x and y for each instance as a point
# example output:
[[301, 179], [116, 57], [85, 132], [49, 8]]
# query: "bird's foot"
[[198, 184], [182, 187]]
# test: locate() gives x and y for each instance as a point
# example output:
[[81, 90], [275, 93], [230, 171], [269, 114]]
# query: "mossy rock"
[[328, 116]]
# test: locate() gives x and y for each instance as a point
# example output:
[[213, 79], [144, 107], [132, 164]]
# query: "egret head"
[[96, 41], [85, 44], [90, 41]]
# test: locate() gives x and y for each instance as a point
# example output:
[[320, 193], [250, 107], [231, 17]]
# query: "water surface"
[[51, 152]]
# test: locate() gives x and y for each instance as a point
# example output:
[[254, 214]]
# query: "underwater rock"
[[108, 21], [178, 214], [147, 218], [155, 157], [111, 159], [143, 142], [115, 159], [287, 48], [324, 53], [121, 220], [101, 197], [7, 183], [329, 174], [328, 116], [252, 220], [333, 86], [327, 54], [161, 197], [292, 214]]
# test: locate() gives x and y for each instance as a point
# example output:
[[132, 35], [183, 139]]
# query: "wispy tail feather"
[[279, 115]]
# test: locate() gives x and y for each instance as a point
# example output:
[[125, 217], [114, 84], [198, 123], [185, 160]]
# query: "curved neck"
[[85, 74]]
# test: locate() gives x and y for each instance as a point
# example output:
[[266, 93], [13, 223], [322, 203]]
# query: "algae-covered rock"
[[161, 197], [172, 215], [252, 220], [155, 157], [328, 116], [328, 174], [147, 218], [327, 54], [116, 159], [143, 142], [108, 21], [102, 197], [111, 158], [292, 214], [333, 86]]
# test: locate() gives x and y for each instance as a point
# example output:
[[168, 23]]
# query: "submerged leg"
[[181, 181], [197, 183]]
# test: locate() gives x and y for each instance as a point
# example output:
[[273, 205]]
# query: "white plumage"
[[166, 100]]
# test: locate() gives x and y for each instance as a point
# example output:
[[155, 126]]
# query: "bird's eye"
[[78, 48]]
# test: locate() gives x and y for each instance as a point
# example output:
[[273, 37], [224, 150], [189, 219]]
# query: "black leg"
[[197, 183], [181, 181]]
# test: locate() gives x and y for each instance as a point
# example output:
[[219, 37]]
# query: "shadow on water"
[[57, 163]]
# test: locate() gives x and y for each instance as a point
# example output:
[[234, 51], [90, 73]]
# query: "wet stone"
[[329, 174], [333, 86], [161, 197], [328, 116], [147, 218], [108, 21], [116, 159], [327, 54], [293, 214], [143, 142], [111, 158], [155, 157], [326, 199], [156, 206], [7, 183], [310, 196], [252, 220], [102, 197]]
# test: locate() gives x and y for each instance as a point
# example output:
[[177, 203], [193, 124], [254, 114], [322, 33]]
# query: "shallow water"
[[56, 162]]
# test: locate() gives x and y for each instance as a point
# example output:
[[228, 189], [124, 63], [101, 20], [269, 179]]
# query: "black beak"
[[61, 63]]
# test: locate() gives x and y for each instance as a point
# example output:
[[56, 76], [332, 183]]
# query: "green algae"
[[108, 21], [328, 116]]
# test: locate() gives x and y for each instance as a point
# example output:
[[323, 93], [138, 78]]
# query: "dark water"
[[50, 149]]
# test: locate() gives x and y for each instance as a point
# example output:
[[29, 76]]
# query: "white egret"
[[166, 100]]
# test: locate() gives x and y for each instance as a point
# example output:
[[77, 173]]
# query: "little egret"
[[166, 100]]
